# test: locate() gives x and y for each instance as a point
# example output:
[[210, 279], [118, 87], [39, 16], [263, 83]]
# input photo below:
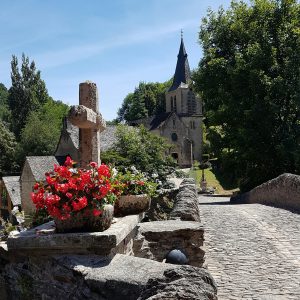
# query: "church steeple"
[[182, 72]]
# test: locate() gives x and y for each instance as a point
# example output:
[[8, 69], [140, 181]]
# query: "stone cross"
[[86, 116]]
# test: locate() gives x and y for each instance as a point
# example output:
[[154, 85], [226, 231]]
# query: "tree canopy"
[[27, 93], [249, 79], [30, 120], [136, 146], [147, 99]]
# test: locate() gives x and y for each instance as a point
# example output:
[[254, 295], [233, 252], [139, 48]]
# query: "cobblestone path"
[[252, 251]]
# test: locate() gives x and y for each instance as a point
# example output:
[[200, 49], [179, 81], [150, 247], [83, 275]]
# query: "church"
[[181, 123]]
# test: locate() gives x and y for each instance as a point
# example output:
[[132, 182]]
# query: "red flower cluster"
[[68, 191]]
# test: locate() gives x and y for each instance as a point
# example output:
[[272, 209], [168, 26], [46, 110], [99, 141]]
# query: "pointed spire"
[[182, 72]]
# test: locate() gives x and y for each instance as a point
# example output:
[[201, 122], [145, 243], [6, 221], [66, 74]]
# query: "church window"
[[175, 104], [174, 123], [192, 125], [191, 103], [174, 137], [172, 106]]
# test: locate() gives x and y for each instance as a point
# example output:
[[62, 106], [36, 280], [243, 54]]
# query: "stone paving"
[[252, 250]]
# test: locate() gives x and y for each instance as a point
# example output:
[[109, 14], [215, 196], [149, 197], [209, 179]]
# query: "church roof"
[[39, 165], [12, 185], [108, 137], [182, 72], [159, 120]]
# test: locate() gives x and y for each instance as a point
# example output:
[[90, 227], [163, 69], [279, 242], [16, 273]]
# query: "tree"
[[147, 99], [4, 109], [7, 150], [42, 130], [136, 146], [249, 79], [27, 93]]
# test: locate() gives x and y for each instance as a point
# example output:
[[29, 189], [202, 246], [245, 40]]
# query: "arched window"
[[172, 105], [175, 104], [191, 103]]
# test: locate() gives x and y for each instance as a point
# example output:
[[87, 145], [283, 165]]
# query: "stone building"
[[34, 170], [10, 195], [181, 124]]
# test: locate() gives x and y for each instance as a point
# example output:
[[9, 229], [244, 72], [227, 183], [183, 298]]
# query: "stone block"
[[184, 282], [186, 202], [156, 239], [43, 241]]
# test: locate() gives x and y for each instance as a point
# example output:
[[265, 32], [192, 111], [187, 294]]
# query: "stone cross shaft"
[[86, 116]]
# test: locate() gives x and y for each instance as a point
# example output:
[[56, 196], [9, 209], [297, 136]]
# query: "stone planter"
[[132, 204], [80, 223]]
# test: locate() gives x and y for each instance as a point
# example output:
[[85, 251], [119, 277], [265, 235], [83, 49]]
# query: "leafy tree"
[[249, 78], [42, 130], [27, 93], [7, 150], [146, 100], [4, 109], [142, 149]]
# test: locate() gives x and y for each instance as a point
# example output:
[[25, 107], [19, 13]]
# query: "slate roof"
[[108, 137], [159, 120], [12, 185], [39, 165], [182, 72], [72, 131]]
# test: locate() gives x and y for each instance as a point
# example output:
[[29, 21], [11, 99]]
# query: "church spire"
[[182, 72]]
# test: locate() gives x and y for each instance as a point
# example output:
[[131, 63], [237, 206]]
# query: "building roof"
[[40, 165], [12, 185], [159, 120], [108, 137], [182, 72]]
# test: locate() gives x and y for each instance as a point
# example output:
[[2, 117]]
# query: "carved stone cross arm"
[[84, 117]]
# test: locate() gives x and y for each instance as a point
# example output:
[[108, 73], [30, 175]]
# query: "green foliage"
[[7, 150], [146, 100], [249, 79], [27, 93], [4, 109], [142, 149], [42, 130]]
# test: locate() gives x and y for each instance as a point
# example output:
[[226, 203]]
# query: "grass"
[[211, 180]]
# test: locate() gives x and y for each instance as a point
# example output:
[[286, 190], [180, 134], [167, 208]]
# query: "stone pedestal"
[[43, 241]]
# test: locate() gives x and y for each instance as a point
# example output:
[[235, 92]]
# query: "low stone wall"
[[162, 205], [186, 202], [93, 277], [283, 192], [156, 239]]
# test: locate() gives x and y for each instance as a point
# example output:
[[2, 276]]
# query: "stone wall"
[[80, 277], [283, 191], [156, 239], [186, 202]]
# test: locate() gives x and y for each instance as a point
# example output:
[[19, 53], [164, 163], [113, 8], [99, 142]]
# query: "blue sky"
[[114, 43]]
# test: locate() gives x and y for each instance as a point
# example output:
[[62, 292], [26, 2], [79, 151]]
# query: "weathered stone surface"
[[283, 191], [95, 277], [186, 202], [162, 205], [87, 117], [84, 117], [183, 282], [156, 239], [43, 240], [124, 277]]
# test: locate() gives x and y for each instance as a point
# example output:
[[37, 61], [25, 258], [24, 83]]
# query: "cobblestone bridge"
[[252, 251]]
